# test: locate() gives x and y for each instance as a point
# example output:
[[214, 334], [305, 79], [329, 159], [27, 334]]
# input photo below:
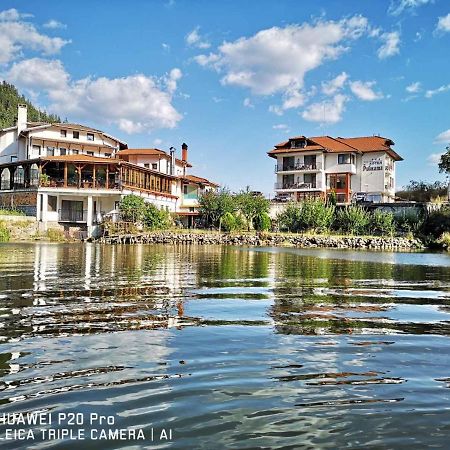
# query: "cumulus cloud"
[[443, 138], [444, 24], [364, 90], [334, 85], [135, 104], [414, 88], [328, 111], [276, 60], [17, 36], [398, 6], [54, 24], [248, 103], [194, 39], [282, 127], [432, 92], [390, 46]]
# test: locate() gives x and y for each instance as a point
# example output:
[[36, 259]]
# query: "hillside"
[[10, 98]]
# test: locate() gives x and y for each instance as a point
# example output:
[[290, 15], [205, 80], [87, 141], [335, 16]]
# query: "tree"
[[422, 191], [444, 164], [252, 205], [215, 204], [132, 208]]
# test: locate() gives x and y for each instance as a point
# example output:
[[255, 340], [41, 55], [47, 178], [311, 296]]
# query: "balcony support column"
[[44, 209], [89, 217]]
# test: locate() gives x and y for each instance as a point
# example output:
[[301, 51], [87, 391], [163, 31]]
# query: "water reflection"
[[236, 347]]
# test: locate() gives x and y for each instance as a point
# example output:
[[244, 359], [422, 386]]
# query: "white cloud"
[[38, 73], [276, 110], [54, 24], [248, 103], [413, 88], [157, 142], [217, 99], [398, 6], [443, 138], [193, 39], [431, 92], [434, 158], [391, 43], [281, 126], [17, 35], [135, 104], [444, 24], [329, 111], [364, 90], [165, 47], [275, 60], [334, 85]]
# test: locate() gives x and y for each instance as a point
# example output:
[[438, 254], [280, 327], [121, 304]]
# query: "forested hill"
[[10, 98]]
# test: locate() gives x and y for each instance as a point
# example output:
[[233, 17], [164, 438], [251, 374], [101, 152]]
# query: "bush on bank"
[[4, 233]]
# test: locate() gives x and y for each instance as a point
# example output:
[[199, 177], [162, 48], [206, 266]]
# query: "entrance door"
[[71, 211], [310, 161]]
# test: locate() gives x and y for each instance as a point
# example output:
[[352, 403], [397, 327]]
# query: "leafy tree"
[[444, 164], [262, 222], [422, 191], [132, 208], [252, 205], [352, 220], [156, 219], [228, 222], [215, 204]]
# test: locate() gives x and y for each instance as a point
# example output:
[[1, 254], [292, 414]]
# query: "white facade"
[[352, 173]]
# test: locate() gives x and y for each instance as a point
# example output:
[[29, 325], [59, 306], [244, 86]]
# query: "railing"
[[70, 215], [298, 167], [298, 186]]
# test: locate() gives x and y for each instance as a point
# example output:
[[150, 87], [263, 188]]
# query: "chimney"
[[172, 161], [184, 152], [21, 118]]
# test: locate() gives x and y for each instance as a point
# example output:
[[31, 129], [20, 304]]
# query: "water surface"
[[230, 347]]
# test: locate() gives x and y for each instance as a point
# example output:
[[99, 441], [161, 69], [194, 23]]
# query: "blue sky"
[[232, 78]]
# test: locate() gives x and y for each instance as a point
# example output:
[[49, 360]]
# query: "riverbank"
[[268, 239]]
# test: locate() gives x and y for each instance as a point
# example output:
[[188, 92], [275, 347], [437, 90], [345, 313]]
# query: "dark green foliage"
[[444, 164], [251, 205], [132, 208], [228, 222], [10, 98], [409, 221], [310, 215], [156, 219], [382, 223], [214, 204], [437, 222], [352, 220], [262, 222]]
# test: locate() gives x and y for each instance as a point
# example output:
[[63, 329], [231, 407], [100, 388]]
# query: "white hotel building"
[[359, 168], [74, 175]]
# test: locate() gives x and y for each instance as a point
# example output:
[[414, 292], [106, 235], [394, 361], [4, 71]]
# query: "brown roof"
[[149, 152], [363, 144], [199, 180]]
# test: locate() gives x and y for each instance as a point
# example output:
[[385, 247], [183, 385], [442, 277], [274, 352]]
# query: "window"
[[346, 158], [75, 152], [155, 166], [50, 151], [185, 189], [147, 165], [76, 134], [63, 133], [36, 150], [90, 153], [107, 155], [90, 136], [52, 202], [337, 181], [62, 151]]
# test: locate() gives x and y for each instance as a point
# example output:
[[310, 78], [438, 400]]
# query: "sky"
[[233, 78]]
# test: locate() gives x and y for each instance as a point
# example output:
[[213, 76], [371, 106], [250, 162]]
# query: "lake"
[[224, 347]]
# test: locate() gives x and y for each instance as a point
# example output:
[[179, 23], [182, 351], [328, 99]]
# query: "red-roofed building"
[[353, 168]]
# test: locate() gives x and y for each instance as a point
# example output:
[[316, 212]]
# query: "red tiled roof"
[[199, 180], [149, 152]]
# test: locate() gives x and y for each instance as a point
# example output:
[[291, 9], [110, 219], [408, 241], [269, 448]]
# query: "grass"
[[4, 233], [54, 235]]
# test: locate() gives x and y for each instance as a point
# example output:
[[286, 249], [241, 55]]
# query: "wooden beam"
[[93, 175], [65, 174], [107, 176]]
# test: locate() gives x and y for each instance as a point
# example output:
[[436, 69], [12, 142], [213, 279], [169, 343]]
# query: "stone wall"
[[306, 241]]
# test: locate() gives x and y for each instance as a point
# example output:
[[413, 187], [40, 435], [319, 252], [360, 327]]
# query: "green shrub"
[[132, 208], [241, 223], [437, 222], [409, 221], [382, 223], [55, 235], [262, 222], [4, 233], [228, 222], [309, 215], [352, 220], [154, 218]]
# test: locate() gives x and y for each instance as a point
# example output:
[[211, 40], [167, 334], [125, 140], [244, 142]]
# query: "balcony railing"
[[298, 167], [71, 215], [298, 186]]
